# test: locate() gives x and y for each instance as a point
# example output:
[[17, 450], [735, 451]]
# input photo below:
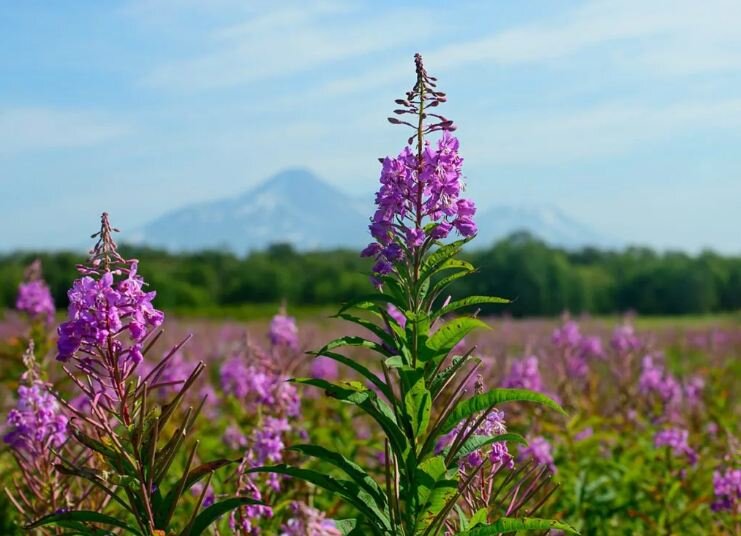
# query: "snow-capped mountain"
[[297, 207], [294, 206]]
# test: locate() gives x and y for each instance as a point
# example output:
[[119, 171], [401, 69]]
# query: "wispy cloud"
[[286, 40], [30, 129], [600, 130]]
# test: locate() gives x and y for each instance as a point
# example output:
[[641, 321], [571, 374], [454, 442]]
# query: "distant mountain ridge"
[[297, 207]]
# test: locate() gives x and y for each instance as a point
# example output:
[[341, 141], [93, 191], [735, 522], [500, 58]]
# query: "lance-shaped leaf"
[[350, 468], [447, 336], [467, 302], [437, 260], [192, 477], [436, 485], [507, 525], [356, 394], [347, 489], [368, 300], [484, 401], [476, 442], [359, 342], [363, 371], [211, 514], [84, 516], [441, 284], [418, 403], [347, 527], [377, 330]]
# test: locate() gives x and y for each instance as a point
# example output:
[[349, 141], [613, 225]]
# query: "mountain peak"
[[298, 207], [295, 180]]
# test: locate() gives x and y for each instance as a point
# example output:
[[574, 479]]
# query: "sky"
[[626, 115]]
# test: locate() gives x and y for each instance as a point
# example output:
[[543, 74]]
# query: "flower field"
[[405, 414]]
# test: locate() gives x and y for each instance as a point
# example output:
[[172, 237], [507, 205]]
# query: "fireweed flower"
[[693, 389], [37, 422], [36, 426], [624, 340], [324, 368], [34, 297], [676, 440], [524, 374], [110, 317], [308, 521], [654, 379], [256, 385], [498, 453], [539, 450], [578, 349], [727, 490], [283, 331], [419, 200]]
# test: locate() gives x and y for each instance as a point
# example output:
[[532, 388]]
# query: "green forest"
[[540, 279]]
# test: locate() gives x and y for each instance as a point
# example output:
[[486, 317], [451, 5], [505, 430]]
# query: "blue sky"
[[626, 115]]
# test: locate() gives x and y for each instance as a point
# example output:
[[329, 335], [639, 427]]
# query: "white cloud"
[[605, 129], [29, 129], [286, 40]]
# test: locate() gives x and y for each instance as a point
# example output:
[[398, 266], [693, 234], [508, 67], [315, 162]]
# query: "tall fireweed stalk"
[[419, 384], [130, 443], [37, 426]]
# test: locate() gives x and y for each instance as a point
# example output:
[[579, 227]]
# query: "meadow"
[[410, 411]]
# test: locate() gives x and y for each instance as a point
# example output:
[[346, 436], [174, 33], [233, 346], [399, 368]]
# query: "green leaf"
[[437, 486], [363, 371], [355, 341], [82, 515], [214, 512], [194, 476], [484, 401], [506, 525], [363, 302], [442, 377], [350, 468], [377, 330], [436, 260], [418, 402], [467, 302], [441, 284], [369, 402], [346, 526], [448, 335], [348, 490], [476, 442], [478, 518]]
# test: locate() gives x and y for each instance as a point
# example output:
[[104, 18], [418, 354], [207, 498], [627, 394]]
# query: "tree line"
[[540, 279]]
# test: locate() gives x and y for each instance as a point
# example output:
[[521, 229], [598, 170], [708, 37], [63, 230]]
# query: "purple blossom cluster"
[[655, 379], [524, 374], [419, 200], [324, 368], [171, 377], [578, 348], [493, 425], [677, 440], [727, 490], [283, 331], [34, 299], [37, 422], [255, 385], [624, 339], [540, 451], [266, 445], [103, 310], [308, 521]]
